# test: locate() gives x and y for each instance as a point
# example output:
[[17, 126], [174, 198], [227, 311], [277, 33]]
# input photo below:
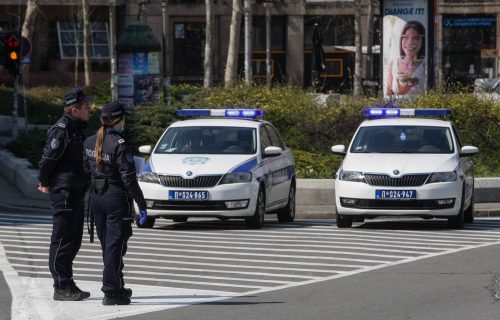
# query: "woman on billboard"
[[407, 73]]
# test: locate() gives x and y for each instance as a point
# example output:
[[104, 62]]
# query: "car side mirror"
[[468, 151], [272, 152], [339, 149], [145, 149]]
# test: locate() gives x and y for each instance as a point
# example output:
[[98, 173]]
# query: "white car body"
[[204, 172], [404, 175]]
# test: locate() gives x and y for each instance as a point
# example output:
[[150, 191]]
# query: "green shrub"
[[29, 145]]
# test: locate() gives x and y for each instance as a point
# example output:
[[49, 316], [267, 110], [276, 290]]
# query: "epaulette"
[[61, 125], [121, 141]]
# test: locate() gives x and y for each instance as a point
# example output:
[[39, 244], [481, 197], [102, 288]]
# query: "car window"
[[403, 139], [208, 140], [264, 139], [274, 136]]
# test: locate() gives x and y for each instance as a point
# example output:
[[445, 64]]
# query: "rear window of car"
[[208, 140], [403, 139]]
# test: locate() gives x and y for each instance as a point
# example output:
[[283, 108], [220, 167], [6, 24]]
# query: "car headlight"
[[442, 177], [236, 177], [150, 177], [354, 176]]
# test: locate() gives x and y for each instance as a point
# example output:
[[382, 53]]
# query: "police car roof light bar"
[[227, 113], [399, 112]]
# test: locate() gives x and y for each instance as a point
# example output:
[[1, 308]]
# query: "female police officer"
[[111, 165]]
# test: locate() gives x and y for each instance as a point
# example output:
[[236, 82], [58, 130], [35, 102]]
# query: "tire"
[[343, 221], [287, 214], [150, 222], [180, 219], [257, 220], [457, 222], [469, 212]]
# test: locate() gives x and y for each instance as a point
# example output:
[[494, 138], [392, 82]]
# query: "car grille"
[[383, 180], [198, 182], [399, 204]]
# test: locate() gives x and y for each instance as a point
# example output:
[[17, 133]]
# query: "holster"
[[99, 185]]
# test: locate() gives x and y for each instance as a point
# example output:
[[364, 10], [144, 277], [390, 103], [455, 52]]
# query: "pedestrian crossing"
[[226, 258]]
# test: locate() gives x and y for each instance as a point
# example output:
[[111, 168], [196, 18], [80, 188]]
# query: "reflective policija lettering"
[[91, 154], [280, 176]]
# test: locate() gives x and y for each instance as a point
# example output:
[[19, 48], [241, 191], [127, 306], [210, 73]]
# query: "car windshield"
[[208, 140], [403, 139]]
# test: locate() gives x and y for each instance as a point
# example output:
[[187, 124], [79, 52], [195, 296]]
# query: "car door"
[[280, 166], [266, 164]]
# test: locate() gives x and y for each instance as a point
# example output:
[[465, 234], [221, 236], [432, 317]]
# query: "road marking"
[[276, 257]]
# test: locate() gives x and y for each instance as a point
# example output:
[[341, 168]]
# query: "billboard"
[[405, 47]]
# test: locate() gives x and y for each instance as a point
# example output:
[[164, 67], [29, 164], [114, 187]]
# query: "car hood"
[[182, 164], [403, 162]]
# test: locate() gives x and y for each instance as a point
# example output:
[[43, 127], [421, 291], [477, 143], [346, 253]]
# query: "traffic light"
[[10, 52]]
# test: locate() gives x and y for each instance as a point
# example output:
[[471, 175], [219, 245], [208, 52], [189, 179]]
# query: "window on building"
[[189, 46], [70, 36], [5, 26], [336, 30], [278, 33], [464, 37]]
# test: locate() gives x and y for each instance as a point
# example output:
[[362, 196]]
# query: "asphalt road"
[[405, 269]]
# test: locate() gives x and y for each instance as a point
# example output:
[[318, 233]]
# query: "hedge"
[[310, 128]]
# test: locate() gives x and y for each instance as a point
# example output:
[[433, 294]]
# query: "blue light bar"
[[399, 112], [228, 113]]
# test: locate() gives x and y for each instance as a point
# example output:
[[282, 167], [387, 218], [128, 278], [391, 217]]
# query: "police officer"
[[114, 183], [62, 175]]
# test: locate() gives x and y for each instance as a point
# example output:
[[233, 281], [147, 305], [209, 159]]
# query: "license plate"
[[396, 194], [187, 195]]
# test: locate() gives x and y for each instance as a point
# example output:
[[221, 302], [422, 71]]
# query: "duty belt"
[[99, 185]]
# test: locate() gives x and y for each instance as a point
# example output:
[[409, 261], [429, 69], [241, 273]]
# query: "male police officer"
[[62, 175]]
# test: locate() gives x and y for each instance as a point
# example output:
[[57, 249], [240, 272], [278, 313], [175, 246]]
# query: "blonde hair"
[[101, 134]]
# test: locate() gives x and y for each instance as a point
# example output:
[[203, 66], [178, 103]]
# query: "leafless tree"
[[207, 65], [358, 66], [248, 41], [86, 42], [234, 44]]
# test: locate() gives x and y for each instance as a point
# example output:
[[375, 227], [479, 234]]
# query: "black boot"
[[70, 293], [73, 287], [127, 292], [116, 298]]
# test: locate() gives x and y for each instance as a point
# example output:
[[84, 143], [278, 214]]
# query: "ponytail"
[[101, 134]]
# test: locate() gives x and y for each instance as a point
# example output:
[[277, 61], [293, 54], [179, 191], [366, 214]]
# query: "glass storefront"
[[465, 37]]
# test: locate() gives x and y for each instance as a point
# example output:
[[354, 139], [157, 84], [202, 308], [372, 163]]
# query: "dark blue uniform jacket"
[[117, 164]]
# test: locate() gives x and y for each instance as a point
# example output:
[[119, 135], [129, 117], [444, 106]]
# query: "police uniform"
[[112, 190], [61, 169]]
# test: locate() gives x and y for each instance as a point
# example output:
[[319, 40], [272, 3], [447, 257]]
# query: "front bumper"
[[159, 205], [356, 198]]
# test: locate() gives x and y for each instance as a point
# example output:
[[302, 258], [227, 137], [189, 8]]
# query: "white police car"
[[411, 166], [226, 165]]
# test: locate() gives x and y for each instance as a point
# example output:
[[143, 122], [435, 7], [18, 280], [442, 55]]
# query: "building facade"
[[467, 39]]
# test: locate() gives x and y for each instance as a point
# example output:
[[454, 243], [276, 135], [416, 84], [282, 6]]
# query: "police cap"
[[114, 109], [75, 96]]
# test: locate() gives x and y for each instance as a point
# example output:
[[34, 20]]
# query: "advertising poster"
[[125, 85], [154, 62], [125, 63], [405, 47], [144, 88], [140, 63]]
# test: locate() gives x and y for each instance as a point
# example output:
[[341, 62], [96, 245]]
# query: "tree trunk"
[[234, 44], [248, 42], [358, 44], [30, 19], [369, 40], [207, 65], [86, 42]]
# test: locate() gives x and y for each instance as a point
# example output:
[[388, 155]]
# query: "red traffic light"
[[10, 47]]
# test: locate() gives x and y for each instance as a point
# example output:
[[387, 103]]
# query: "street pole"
[[25, 100], [167, 100], [112, 37], [248, 41], [269, 73], [14, 108]]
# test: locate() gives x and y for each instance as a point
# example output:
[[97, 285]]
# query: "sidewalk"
[[11, 199]]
